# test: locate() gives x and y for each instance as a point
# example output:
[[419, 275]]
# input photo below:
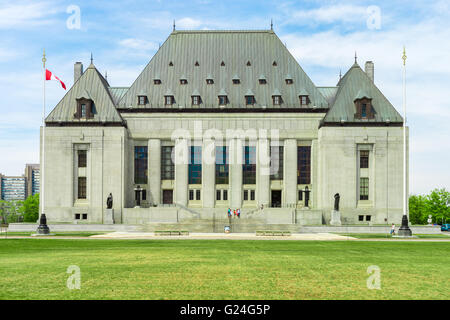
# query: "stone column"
[[290, 172], [314, 174], [208, 173], [154, 171], [181, 171], [263, 172], [236, 153]]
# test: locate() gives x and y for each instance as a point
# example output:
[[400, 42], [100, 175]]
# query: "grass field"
[[222, 269]]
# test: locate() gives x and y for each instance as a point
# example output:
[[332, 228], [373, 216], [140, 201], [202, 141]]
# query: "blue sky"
[[322, 35]]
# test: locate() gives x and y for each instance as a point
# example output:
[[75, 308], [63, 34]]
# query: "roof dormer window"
[[289, 81], [142, 100], [196, 100], [236, 81], [209, 81], [156, 81], [304, 100], [277, 100], [85, 109], [250, 100], [169, 100], [183, 81], [363, 105], [223, 100]]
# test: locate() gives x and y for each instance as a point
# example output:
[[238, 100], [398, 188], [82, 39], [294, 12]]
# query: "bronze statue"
[[337, 197], [109, 201]]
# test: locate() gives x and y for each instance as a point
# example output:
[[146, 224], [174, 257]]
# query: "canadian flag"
[[50, 76]]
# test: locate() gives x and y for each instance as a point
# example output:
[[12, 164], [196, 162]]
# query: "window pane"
[[81, 187], [276, 162], [222, 166], [140, 165], [83, 111], [364, 189], [191, 194], [195, 165], [225, 195], [167, 165], [364, 159], [249, 166], [218, 195], [197, 195], [82, 158], [304, 165]]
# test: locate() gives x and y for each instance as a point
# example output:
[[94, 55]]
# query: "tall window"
[[364, 110], [81, 187], [276, 100], [195, 165], [82, 159], [140, 165], [249, 166], [363, 159], [276, 163], [303, 165], [222, 165], [83, 110], [364, 189], [142, 100], [304, 100], [167, 165]]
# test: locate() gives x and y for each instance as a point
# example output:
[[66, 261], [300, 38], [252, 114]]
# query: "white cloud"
[[138, 44], [19, 15], [188, 23]]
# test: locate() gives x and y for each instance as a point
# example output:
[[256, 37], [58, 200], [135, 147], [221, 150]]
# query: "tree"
[[30, 208], [9, 211], [438, 205], [417, 209]]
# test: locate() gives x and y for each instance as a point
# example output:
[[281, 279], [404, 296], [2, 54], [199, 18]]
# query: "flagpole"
[[404, 230], [43, 229], [43, 137]]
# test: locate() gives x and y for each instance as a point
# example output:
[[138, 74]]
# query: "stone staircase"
[[217, 226]]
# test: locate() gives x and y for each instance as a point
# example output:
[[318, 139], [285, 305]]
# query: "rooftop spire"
[[174, 25], [92, 59], [356, 58], [271, 24]]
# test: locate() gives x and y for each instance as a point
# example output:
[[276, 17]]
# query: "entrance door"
[[167, 196], [276, 198]]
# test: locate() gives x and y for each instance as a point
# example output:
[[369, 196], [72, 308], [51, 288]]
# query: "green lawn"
[[222, 269]]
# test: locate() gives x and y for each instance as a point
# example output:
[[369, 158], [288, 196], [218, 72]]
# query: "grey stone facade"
[[119, 123]]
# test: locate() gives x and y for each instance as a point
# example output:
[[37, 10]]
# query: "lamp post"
[[404, 230]]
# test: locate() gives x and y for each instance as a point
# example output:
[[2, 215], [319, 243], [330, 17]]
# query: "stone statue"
[[109, 201], [337, 197]]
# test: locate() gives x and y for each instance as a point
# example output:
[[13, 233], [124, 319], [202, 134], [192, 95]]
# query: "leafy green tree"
[[30, 208], [438, 205], [9, 211], [418, 209]]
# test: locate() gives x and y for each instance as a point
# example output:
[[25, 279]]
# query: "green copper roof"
[[90, 85], [353, 85], [235, 49]]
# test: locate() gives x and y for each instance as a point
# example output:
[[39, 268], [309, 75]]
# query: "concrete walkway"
[[223, 236]]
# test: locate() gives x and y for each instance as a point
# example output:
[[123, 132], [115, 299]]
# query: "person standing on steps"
[[239, 213]]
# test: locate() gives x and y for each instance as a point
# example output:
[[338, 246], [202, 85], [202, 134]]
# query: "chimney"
[[370, 69], [77, 71]]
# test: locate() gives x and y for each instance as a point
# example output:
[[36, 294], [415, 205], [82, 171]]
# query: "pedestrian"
[[234, 213], [392, 230], [229, 213], [239, 213]]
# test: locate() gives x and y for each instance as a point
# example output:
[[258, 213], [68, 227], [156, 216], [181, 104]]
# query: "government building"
[[218, 120]]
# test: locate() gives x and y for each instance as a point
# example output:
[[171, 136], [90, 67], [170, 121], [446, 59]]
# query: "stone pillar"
[[181, 171], [314, 174], [290, 172], [208, 173], [263, 172], [236, 153], [154, 171]]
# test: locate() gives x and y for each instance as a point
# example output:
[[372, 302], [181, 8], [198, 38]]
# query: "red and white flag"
[[50, 76]]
